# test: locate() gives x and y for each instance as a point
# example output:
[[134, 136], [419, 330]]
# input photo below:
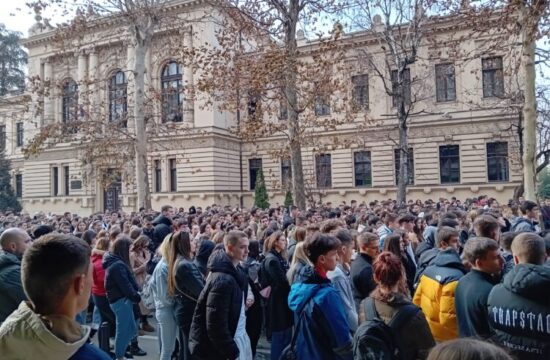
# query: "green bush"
[[260, 192]]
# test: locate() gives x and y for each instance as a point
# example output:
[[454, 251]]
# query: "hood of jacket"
[[449, 258], [205, 250], [110, 259], [219, 262], [529, 281], [8, 259], [24, 333], [302, 292], [161, 219]]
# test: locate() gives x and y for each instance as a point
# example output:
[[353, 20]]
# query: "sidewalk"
[[150, 344]]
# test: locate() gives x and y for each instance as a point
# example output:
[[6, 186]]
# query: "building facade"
[[461, 144]]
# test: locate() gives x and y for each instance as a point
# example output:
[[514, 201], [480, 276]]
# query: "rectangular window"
[[286, 173], [360, 92], [173, 175], [362, 168], [497, 161], [2, 137], [19, 185], [158, 176], [253, 105], [449, 164], [322, 106], [323, 170], [410, 162], [283, 110], [493, 77], [254, 166], [67, 181], [406, 81], [55, 181], [20, 139], [445, 82]]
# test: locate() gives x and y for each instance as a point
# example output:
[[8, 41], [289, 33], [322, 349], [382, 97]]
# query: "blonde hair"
[[300, 256], [164, 247]]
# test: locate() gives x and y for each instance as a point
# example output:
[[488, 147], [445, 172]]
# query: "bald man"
[[14, 242]]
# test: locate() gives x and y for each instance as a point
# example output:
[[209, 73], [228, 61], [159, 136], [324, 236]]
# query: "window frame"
[[20, 134], [3, 140], [118, 96], [444, 78], [503, 155], [19, 185], [168, 97], [157, 168], [322, 106], [323, 166], [446, 164], [66, 180], [172, 165], [369, 172], [494, 87], [55, 181], [360, 82], [253, 171], [286, 173], [69, 101]]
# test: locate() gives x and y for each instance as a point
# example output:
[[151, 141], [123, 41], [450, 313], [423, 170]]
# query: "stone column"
[[49, 97], [189, 103], [82, 81], [94, 86]]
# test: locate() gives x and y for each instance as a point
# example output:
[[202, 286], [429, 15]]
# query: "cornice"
[[106, 22]]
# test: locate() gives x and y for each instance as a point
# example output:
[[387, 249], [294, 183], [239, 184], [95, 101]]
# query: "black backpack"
[[374, 340]]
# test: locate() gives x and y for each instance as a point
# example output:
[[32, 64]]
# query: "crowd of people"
[[430, 280]]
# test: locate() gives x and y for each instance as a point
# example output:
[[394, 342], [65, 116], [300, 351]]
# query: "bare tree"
[[123, 146], [286, 86], [399, 28]]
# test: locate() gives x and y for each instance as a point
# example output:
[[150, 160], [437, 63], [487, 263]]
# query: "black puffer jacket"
[[218, 309], [11, 289], [163, 227], [119, 280], [189, 284], [519, 311]]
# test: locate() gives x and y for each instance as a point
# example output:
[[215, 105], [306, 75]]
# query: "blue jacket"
[[324, 333]]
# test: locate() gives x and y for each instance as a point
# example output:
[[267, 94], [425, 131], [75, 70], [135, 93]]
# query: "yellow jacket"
[[435, 294]]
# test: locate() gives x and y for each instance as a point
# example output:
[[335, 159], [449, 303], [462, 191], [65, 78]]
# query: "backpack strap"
[[370, 309], [404, 313]]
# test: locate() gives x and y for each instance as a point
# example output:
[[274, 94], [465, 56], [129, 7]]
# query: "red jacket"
[[98, 286]]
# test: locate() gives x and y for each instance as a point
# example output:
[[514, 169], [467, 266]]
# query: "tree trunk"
[[529, 109], [140, 144], [403, 142], [292, 97]]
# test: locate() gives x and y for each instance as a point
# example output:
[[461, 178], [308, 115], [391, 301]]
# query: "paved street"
[[150, 344]]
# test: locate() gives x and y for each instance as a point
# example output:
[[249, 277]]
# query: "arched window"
[[117, 97], [172, 92], [70, 101]]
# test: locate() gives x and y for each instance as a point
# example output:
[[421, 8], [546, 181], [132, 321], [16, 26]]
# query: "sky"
[[16, 16]]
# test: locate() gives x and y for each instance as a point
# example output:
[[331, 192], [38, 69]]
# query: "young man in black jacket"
[[519, 309], [218, 331], [473, 288], [362, 282], [14, 242]]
